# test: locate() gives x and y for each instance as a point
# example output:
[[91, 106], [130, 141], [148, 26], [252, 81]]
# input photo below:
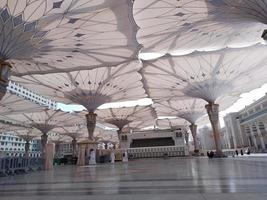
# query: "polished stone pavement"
[[157, 179]]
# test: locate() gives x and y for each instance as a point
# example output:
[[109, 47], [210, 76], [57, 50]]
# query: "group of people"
[[210, 154], [241, 152]]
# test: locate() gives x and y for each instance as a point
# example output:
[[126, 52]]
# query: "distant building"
[[233, 133], [11, 145], [248, 127], [31, 96]]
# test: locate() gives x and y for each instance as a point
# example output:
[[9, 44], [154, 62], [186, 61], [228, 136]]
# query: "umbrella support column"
[[213, 113]]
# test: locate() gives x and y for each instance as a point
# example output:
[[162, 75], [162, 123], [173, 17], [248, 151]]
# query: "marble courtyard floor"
[[157, 179]]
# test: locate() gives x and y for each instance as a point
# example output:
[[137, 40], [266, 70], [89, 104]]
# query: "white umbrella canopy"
[[181, 27], [12, 104], [140, 124], [46, 36], [10, 125], [120, 117], [27, 133], [90, 88], [76, 131], [109, 135], [46, 120], [58, 138], [168, 123], [208, 76], [190, 109]]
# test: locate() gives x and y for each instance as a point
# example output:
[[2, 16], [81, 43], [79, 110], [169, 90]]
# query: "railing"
[[12, 165], [155, 152]]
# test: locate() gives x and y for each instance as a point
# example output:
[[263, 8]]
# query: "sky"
[[245, 100]]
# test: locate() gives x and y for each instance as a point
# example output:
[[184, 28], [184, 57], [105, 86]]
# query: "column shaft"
[[91, 122], [213, 113], [44, 138], [260, 136], [119, 136], [74, 147], [253, 137], [193, 129]]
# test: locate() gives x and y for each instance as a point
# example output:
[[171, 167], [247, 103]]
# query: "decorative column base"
[[5, 69], [193, 129], [91, 122], [87, 153], [213, 113], [49, 155]]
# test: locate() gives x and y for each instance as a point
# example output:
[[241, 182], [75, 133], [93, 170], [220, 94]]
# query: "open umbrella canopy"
[[58, 138], [10, 125], [106, 135], [46, 120], [120, 117], [27, 133], [76, 131], [13, 104], [140, 124], [49, 36], [189, 109], [90, 88], [208, 76], [181, 27], [169, 123]]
